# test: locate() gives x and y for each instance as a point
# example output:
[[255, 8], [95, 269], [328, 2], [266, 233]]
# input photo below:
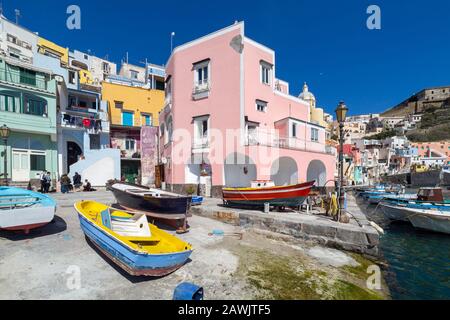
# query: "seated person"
[[87, 187]]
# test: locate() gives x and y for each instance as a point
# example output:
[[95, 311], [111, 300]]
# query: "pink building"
[[228, 120]]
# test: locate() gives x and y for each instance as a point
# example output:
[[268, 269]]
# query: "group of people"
[[66, 184], [46, 181]]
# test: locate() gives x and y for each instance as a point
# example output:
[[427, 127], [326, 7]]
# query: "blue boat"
[[196, 201], [24, 210], [427, 199], [128, 240], [376, 199]]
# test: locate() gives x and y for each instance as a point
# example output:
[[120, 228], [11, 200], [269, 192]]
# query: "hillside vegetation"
[[435, 126]]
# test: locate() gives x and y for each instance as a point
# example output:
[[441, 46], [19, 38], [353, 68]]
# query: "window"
[[266, 73], [134, 74], [294, 130], [105, 67], [128, 119], [12, 38], [130, 144], [147, 120], [314, 135], [201, 76], [94, 141], [201, 128], [36, 107], [37, 162], [159, 85], [261, 106], [168, 89], [71, 77], [27, 77], [9, 103], [118, 104]]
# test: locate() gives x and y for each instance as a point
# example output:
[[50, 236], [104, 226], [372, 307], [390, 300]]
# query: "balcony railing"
[[23, 79], [201, 143], [92, 125], [276, 141], [202, 86]]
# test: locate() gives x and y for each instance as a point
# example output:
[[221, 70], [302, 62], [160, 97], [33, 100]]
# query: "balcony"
[[200, 145], [201, 89], [93, 125], [276, 141], [24, 79]]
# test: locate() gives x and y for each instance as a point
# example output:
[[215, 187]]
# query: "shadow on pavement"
[[58, 225]]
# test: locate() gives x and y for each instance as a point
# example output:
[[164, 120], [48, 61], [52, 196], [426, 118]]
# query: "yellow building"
[[317, 115], [50, 48], [131, 108]]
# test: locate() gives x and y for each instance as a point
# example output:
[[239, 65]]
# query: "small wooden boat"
[[23, 210], [139, 248], [263, 192], [155, 203], [376, 199]]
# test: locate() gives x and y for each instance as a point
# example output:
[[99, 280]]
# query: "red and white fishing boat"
[[262, 192]]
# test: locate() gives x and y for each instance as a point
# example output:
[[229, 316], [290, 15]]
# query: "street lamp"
[[4, 134], [341, 113]]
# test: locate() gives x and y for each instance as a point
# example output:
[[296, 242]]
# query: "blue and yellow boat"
[[138, 247]]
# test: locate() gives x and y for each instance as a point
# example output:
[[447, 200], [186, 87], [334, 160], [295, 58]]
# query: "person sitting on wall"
[[65, 183], [77, 181], [87, 187]]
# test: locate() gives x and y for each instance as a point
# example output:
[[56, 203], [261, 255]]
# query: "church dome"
[[306, 95]]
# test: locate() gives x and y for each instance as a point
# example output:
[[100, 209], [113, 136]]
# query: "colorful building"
[[434, 153], [228, 120], [28, 108], [132, 105]]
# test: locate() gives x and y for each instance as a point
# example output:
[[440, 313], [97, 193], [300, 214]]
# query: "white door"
[[207, 182], [20, 166]]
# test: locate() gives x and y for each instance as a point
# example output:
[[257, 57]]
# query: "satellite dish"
[[59, 78], [164, 160]]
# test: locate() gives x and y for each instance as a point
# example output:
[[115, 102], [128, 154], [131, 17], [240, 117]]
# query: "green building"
[[28, 107]]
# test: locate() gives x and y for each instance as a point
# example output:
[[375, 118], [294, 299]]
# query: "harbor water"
[[419, 261]]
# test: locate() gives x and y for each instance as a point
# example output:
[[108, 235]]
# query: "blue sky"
[[325, 43]]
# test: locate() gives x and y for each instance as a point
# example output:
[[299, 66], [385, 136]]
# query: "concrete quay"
[[358, 236], [56, 262]]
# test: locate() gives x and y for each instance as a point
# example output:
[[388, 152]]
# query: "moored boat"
[[154, 202], [376, 199], [262, 193], [431, 220], [128, 240], [427, 199], [24, 210]]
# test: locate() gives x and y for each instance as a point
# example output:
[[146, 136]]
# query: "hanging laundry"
[[86, 123]]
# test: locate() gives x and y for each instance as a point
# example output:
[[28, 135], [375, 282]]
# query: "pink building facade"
[[228, 120]]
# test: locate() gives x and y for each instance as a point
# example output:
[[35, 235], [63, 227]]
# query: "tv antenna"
[[17, 11]]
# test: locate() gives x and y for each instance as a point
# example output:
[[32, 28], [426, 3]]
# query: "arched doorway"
[[284, 172], [318, 172], [73, 154], [239, 171]]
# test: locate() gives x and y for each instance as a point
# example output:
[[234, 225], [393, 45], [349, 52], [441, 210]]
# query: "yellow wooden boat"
[[138, 247]]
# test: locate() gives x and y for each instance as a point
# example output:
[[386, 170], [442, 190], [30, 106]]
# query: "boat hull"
[[133, 262], [394, 212], [431, 222], [24, 210], [166, 206], [289, 196]]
